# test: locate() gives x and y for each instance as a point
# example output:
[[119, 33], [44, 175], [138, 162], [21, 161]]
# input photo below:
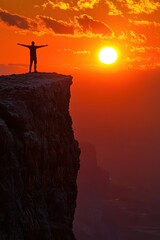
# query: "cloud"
[[81, 52], [144, 23], [82, 25], [119, 7], [141, 6], [12, 68], [88, 25], [57, 26], [61, 5], [113, 10], [75, 52], [79, 5], [132, 37], [82, 4], [132, 7], [148, 49], [137, 38], [144, 57], [17, 20]]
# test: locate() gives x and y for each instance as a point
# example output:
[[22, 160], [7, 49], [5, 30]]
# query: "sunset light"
[[80, 119], [108, 55]]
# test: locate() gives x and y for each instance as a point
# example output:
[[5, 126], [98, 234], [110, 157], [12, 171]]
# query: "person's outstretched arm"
[[23, 45], [41, 46]]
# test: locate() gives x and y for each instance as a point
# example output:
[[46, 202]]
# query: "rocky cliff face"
[[39, 158]]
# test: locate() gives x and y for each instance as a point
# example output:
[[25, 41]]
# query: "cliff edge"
[[39, 158]]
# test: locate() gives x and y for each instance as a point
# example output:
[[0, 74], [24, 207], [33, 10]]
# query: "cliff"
[[39, 158]]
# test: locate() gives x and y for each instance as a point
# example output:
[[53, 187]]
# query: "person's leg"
[[30, 66], [35, 65]]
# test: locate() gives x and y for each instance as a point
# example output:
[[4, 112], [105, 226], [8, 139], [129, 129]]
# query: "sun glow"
[[108, 55]]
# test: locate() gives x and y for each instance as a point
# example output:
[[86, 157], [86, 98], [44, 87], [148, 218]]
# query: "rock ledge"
[[39, 157]]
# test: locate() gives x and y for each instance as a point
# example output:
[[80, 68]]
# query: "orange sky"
[[76, 30]]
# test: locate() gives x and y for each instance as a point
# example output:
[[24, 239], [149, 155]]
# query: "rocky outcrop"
[[39, 158]]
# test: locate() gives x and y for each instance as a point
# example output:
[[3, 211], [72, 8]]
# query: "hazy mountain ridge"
[[110, 210], [39, 157]]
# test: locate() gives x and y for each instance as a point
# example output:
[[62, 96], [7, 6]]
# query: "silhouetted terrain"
[[39, 158], [109, 210]]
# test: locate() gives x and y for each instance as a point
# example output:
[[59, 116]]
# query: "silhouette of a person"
[[33, 55]]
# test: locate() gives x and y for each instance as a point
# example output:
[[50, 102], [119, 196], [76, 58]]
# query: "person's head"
[[33, 42]]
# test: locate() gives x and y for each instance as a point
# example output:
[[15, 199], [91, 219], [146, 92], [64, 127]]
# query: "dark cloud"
[[58, 27], [12, 68], [88, 25], [16, 20], [81, 25]]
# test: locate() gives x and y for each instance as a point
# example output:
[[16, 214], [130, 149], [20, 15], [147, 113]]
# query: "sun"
[[108, 55]]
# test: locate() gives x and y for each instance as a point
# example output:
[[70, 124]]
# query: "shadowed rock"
[[39, 158]]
